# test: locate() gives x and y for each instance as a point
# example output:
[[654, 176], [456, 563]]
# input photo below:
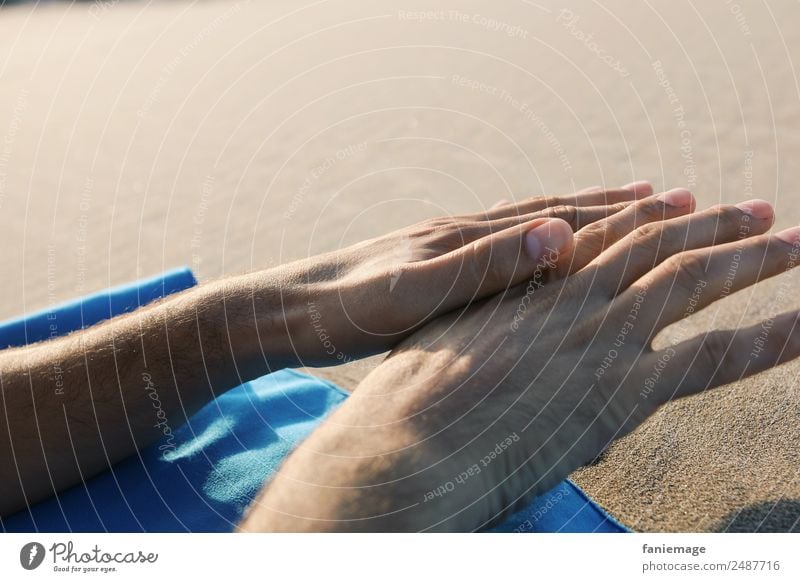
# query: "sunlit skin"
[[74, 405], [447, 305], [487, 407]]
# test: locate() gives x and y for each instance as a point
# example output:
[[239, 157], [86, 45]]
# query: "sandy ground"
[[231, 136]]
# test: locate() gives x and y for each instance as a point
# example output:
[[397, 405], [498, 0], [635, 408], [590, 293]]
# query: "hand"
[[468, 419], [366, 298]]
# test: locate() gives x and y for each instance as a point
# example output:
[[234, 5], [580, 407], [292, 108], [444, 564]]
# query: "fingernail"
[[678, 197], [756, 208], [499, 203], [790, 235], [640, 187], [553, 235]]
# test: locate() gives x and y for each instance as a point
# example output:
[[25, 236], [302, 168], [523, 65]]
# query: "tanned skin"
[[73, 406]]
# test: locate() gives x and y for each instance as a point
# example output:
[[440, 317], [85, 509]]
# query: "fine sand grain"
[[231, 136]]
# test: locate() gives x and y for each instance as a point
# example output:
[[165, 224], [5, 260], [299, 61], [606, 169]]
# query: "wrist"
[[354, 479], [245, 325], [294, 317], [374, 466]]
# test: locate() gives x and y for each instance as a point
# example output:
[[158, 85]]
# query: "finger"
[[721, 357], [578, 217], [597, 195], [591, 240], [643, 249], [589, 197], [640, 187], [459, 233], [499, 203], [690, 281], [494, 263]]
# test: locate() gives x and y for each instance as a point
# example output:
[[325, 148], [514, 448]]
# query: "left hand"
[[364, 299]]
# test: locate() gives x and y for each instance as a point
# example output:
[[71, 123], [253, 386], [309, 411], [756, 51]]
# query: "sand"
[[232, 136]]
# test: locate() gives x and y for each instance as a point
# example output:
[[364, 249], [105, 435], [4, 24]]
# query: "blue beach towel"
[[204, 478]]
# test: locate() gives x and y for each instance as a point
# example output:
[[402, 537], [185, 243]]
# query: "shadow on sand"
[[778, 516]]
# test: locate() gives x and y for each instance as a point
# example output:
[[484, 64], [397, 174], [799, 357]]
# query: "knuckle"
[[619, 207], [565, 212], [688, 268], [595, 237], [614, 231], [487, 267], [693, 266], [549, 200], [649, 234], [652, 208], [457, 233], [729, 217], [653, 238], [607, 231]]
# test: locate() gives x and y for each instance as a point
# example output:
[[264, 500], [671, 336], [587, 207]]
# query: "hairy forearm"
[[72, 406]]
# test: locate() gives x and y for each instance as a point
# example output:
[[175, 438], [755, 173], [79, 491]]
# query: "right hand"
[[473, 416]]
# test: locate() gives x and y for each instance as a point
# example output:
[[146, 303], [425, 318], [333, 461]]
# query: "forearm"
[[74, 405]]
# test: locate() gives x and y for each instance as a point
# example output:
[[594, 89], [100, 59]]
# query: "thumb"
[[547, 239], [501, 260], [519, 253]]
